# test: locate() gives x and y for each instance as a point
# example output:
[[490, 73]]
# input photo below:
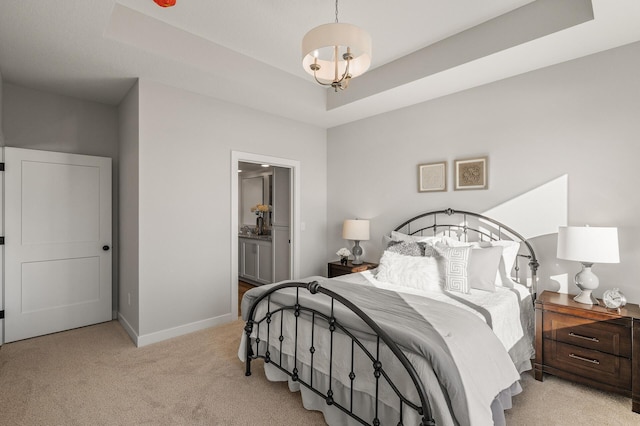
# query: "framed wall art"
[[432, 177], [471, 173]]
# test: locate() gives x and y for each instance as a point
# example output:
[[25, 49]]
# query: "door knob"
[[105, 248]]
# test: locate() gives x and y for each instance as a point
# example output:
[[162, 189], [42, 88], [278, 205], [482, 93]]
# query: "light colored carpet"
[[96, 376]]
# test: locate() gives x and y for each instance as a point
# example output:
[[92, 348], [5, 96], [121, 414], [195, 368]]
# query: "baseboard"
[[127, 327], [159, 336]]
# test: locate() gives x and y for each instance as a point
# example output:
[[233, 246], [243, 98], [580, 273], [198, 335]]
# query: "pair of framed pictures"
[[468, 174]]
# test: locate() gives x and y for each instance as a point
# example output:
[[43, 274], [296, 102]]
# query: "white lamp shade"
[[588, 244], [355, 230], [318, 45]]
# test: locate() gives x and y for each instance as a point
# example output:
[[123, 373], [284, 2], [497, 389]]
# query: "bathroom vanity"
[[255, 258]]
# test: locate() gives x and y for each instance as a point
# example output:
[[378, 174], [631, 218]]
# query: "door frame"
[[294, 166]]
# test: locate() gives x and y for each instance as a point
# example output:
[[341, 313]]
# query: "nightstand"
[[587, 344], [336, 268]]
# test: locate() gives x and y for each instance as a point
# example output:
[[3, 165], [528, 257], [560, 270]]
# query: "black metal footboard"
[[253, 351]]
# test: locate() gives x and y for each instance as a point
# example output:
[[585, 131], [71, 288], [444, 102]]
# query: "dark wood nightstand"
[[336, 268], [592, 345]]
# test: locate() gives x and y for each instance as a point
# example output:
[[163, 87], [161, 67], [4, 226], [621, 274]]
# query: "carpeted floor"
[[96, 376]]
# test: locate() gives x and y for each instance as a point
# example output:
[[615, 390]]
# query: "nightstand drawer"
[[610, 337], [605, 368]]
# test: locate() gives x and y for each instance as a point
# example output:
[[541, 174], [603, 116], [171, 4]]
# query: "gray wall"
[[572, 127], [128, 113], [184, 169], [45, 121]]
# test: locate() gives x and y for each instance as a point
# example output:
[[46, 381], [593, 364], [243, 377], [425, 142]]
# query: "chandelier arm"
[[344, 75], [346, 70], [336, 81], [320, 82]]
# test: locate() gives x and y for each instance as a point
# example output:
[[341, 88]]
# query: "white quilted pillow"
[[416, 272]]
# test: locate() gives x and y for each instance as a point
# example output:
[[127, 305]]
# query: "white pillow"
[[416, 272], [454, 242], [449, 241], [483, 267], [510, 251], [399, 236]]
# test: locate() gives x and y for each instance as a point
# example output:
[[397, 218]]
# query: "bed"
[[438, 334]]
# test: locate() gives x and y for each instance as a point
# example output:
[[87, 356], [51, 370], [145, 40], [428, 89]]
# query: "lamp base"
[[586, 298], [586, 281], [357, 252]]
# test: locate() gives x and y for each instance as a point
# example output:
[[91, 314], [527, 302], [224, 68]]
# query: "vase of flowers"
[[260, 210], [344, 255], [259, 225]]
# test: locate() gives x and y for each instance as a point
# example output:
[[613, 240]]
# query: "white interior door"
[[57, 242]]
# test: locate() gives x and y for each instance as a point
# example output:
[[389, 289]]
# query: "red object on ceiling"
[[165, 3]]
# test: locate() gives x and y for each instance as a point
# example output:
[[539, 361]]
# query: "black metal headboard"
[[469, 226]]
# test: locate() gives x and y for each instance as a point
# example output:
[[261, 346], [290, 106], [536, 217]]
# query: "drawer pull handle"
[[592, 361], [592, 339]]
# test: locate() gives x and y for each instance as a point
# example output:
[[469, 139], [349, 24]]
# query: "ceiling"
[[248, 52], [251, 169]]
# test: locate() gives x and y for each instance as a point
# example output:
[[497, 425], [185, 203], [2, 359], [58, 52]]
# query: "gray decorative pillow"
[[428, 250], [405, 248], [455, 265], [483, 267]]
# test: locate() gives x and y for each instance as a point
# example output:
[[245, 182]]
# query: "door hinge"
[[1, 314], [1, 167], [1, 241]]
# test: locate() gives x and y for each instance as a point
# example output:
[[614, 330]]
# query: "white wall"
[[578, 119], [185, 149], [38, 120], [128, 118]]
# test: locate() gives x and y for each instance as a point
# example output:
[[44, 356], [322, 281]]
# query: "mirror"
[[252, 194]]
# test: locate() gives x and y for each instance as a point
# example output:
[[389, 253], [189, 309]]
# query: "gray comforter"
[[471, 365]]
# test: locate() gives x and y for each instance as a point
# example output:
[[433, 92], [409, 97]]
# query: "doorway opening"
[[263, 250]]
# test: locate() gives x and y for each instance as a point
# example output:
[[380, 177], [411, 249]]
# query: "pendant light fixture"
[[335, 53]]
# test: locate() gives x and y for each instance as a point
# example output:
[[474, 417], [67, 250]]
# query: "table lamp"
[[356, 230], [588, 245]]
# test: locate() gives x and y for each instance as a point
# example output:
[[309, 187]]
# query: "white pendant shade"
[[319, 44]]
